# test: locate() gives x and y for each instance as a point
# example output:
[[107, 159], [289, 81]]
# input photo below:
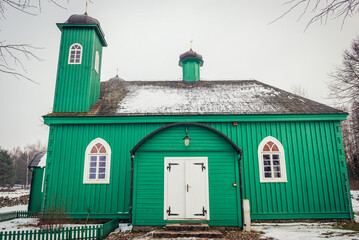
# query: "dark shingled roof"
[[36, 160], [139, 98]]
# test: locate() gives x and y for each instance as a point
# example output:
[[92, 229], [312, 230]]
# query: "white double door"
[[186, 188]]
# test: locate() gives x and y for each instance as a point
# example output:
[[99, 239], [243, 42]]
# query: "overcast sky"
[[146, 37]]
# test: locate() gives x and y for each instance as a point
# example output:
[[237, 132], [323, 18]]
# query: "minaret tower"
[[79, 66], [190, 62]]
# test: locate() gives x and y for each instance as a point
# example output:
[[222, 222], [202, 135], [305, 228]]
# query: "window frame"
[[88, 154], [97, 62], [281, 153], [75, 63]]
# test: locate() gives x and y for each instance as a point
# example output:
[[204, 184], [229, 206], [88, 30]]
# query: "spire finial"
[[86, 6], [117, 71], [191, 43]]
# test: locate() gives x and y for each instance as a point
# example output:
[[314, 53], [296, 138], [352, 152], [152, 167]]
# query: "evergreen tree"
[[7, 177]]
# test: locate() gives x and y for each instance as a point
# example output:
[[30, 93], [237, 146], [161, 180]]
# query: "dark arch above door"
[[236, 148]]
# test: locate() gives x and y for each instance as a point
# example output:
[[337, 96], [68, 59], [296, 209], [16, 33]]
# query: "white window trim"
[[75, 63], [86, 179], [97, 61], [281, 157]]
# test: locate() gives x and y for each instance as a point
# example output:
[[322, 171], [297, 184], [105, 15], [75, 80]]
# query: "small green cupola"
[[79, 67], [190, 62]]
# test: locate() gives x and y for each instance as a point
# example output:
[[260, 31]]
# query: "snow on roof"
[[39, 160], [237, 97], [231, 98]]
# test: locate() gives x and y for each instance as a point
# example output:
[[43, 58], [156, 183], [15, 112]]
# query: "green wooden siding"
[[35, 193], [315, 165], [77, 85], [224, 199]]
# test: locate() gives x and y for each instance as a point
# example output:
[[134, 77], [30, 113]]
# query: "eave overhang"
[[75, 119], [95, 26]]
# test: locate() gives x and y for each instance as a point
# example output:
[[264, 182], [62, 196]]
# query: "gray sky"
[[146, 37]]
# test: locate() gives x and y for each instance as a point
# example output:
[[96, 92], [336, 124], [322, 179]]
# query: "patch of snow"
[[18, 224], [16, 193], [231, 98], [355, 204], [13, 208], [30, 224], [300, 231], [124, 227]]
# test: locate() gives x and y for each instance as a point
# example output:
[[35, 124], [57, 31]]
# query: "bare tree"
[[322, 10], [299, 90], [345, 79], [344, 87], [22, 158], [13, 55]]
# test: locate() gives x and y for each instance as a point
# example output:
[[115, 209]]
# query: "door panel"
[[176, 191], [196, 194]]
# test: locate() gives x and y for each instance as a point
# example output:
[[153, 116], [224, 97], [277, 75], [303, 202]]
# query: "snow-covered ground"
[[355, 204], [18, 224], [19, 192], [303, 230], [13, 208], [29, 224]]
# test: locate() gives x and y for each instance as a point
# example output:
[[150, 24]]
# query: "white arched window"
[[75, 54], [271, 161], [97, 162]]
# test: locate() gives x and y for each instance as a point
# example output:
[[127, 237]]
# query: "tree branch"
[[322, 10], [14, 53]]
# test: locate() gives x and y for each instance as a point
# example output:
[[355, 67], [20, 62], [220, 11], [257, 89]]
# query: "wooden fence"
[[88, 232], [8, 216], [17, 214]]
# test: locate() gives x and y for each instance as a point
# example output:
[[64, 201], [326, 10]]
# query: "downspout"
[[241, 185], [131, 188]]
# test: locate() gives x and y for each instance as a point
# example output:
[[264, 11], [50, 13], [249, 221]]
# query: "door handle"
[[187, 188]]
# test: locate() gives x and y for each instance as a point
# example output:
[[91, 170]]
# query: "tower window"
[[75, 54], [97, 61], [97, 162], [271, 161]]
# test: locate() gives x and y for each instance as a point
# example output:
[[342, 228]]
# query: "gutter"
[[131, 188], [241, 185]]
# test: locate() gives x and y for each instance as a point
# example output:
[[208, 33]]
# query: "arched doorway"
[[173, 182]]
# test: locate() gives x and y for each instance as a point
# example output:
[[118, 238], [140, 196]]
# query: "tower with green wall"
[[78, 82]]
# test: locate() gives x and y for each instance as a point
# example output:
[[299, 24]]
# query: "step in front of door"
[[187, 227], [183, 234]]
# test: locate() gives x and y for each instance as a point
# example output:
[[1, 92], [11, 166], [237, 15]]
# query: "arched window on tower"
[[97, 162], [75, 54], [271, 161]]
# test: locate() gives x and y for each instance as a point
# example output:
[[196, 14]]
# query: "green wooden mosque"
[[157, 152]]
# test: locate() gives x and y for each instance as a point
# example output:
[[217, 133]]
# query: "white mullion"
[[97, 167], [271, 163]]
